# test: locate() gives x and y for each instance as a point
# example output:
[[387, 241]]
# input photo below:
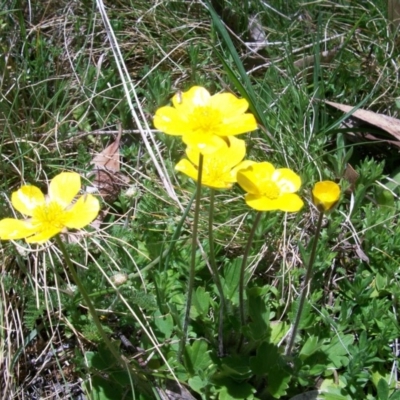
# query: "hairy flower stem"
[[88, 302], [306, 282], [192, 261], [217, 280], [241, 279]]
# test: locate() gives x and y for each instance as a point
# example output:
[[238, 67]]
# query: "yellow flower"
[[49, 214], [270, 189], [325, 195], [203, 120], [219, 168]]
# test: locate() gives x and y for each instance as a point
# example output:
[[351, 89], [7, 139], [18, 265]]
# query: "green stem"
[[305, 285], [88, 302], [216, 276], [193, 260], [177, 232], [241, 279]]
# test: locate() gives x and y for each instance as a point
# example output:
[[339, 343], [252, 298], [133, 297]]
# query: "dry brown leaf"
[[108, 180], [351, 176], [388, 124], [109, 157], [355, 136]]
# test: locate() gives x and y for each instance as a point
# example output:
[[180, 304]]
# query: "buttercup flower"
[[325, 195], [203, 120], [270, 189], [52, 213], [219, 168]]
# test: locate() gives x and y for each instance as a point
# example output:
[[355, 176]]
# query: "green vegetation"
[[71, 77]]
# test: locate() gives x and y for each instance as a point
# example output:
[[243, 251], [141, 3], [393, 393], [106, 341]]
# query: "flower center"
[[212, 175], [49, 216], [215, 171], [270, 190], [205, 119]]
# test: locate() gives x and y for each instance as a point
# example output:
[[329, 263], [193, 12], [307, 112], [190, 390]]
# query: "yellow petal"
[[11, 229], [26, 199], [260, 203], [263, 170], [228, 156], [245, 179], [170, 121], [251, 178], [217, 166], [196, 96], [234, 153], [234, 119], [243, 165], [287, 203], [287, 180], [64, 187], [238, 125], [44, 235], [219, 184], [325, 195], [83, 212], [193, 155], [205, 144], [290, 203], [186, 167], [228, 104]]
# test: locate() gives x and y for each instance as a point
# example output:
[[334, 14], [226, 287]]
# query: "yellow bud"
[[325, 195]]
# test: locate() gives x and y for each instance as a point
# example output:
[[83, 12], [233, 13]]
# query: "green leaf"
[[259, 314], [278, 330], [235, 367], [108, 381], [232, 390], [395, 395], [331, 391], [231, 280], [381, 282], [307, 316], [310, 347], [278, 382], [383, 389], [201, 302], [384, 197], [394, 182], [266, 351], [197, 384], [197, 357], [103, 360], [165, 324], [337, 350], [334, 396], [102, 389], [269, 361]]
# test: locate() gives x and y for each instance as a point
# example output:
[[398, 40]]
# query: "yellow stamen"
[[270, 190], [49, 216]]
